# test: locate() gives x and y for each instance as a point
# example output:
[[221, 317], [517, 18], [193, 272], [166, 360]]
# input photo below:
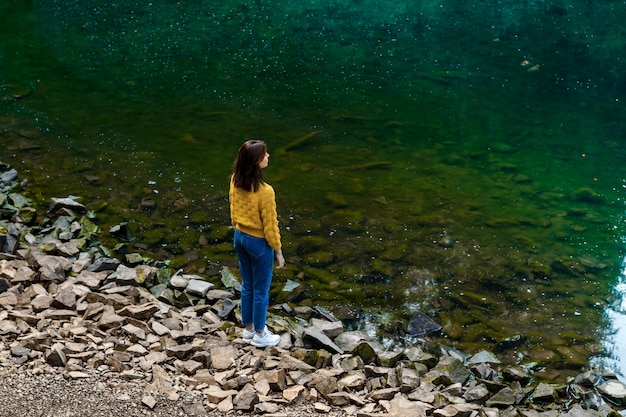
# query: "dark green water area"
[[464, 160]]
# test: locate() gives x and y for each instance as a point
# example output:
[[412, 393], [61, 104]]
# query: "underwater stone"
[[346, 220], [568, 266], [587, 195], [308, 244], [511, 342], [380, 267], [221, 234], [420, 324], [58, 203], [503, 148], [305, 227], [336, 199], [319, 259]]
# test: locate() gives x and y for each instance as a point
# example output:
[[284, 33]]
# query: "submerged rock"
[[420, 324]]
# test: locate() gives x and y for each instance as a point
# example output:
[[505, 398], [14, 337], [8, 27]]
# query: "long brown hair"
[[246, 170]]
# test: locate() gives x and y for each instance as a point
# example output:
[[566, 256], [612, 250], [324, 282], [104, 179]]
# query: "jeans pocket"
[[258, 247]]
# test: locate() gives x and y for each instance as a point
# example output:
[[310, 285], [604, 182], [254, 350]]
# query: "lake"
[[464, 162]]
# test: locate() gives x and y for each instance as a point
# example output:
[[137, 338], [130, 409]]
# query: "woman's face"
[[265, 161]]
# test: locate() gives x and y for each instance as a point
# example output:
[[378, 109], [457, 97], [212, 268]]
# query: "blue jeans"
[[256, 263]]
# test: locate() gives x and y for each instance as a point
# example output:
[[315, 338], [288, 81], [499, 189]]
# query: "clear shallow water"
[[420, 162]]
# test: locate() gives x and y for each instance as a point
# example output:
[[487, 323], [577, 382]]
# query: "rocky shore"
[[82, 334]]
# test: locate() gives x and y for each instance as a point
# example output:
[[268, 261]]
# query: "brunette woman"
[[257, 239]]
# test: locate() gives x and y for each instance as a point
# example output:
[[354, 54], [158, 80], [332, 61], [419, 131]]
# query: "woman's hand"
[[280, 259]]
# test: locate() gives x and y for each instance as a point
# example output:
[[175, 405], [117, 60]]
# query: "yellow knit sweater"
[[254, 213]]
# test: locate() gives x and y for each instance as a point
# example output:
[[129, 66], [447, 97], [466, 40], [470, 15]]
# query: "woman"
[[257, 239]]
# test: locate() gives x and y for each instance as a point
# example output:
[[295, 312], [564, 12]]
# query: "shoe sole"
[[258, 345]]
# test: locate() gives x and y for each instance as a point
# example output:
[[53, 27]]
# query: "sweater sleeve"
[[231, 192], [269, 217]]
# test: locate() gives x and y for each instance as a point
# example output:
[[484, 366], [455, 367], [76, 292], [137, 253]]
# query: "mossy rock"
[[316, 274], [154, 237], [527, 241], [507, 167], [382, 267], [309, 244], [224, 247], [221, 234], [528, 221], [345, 254], [182, 299], [576, 212], [305, 227], [163, 275], [365, 352], [503, 148], [346, 220], [575, 357], [502, 222], [319, 259], [394, 253], [587, 195], [372, 247], [568, 266], [481, 300], [431, 220], [350, 271], [539, 268], [454, 329], [574, 337], [28, 215], [307, 356], [336, 200]]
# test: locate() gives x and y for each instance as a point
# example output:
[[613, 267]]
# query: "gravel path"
[[23, 395]]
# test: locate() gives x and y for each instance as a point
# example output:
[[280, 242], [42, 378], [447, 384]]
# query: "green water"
[[420, 163]]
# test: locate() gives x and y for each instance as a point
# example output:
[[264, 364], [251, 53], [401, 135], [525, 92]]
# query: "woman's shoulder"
[[266, 188]]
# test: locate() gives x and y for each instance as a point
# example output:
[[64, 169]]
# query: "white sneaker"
[[266, 339], [248, 335]]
